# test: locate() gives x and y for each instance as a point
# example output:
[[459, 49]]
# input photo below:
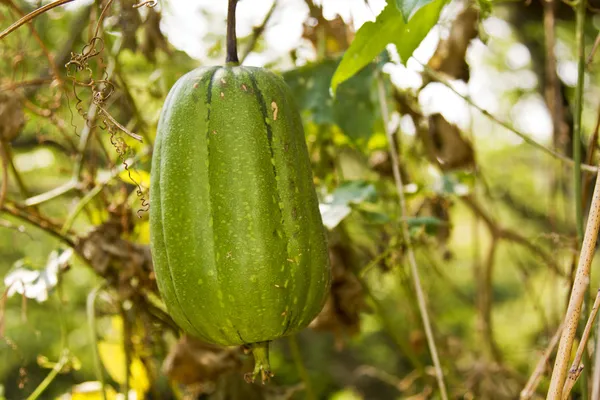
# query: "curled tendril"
[[80, 60], [102, 90], [147, 3], [123, 150]]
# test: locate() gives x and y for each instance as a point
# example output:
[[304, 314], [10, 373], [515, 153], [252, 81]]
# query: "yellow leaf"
[[143, 232], [113, 358], [136, 177]]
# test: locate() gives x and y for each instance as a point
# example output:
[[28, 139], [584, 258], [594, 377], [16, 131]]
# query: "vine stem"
[[297, 356], [32, 15], [65, 353], [91, 315], [580, 39], [580, 286], [4, 183], [406, 235], [232, 57]]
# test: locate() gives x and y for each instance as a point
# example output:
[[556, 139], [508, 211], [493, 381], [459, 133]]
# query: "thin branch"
[[510, 235], [580, 285], [297, 356], [91, 317], [32, 15], [576, 367], [51, 194], [4, 184], [50, 377], [485, 302], [594, 49], [257, 32], [43, 46], [38, 221], [591, 149], [596, 374], [578, 107], [552, 84], [20, 184], [439, 78], [407, 241], [536, 376]]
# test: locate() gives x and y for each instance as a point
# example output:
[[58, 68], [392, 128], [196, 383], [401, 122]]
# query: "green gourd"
[[237, 239]]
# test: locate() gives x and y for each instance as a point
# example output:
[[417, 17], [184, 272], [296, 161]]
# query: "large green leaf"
[[418, 27], [408, 8], [353, 110], [338, 204], [389, 27]]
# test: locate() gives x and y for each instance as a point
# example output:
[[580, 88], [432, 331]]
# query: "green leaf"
[[408, 8], [389, 27], [414, 222], [337, 205], [353, 110], [353, 192], [429, 225], [375, 217], [418, 27]]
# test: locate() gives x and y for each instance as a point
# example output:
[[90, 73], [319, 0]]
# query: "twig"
[[375, 261], [44, 48], [407, 241], [121, 127], [32, 15], [578, 107], [22, 188], [257, 31], [51, 194], [510, 235], [50, 377], [591, 149], [4, 161], [536, 376], [577, 192], [91, 315], [439, 78], [594, 48], [576, 366], [485, 302], [126, 349], [39, 222], [580, 285], [552, 85], [596, 374], [65, 354]]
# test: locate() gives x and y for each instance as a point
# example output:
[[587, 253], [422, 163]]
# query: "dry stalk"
[[576, 366], [439, 374], [536, 376], [582, 276], [596, 372]]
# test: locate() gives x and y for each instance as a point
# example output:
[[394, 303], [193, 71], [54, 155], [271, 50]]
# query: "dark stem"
[[232, 56]]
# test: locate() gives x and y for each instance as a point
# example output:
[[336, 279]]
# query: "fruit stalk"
[[260, 352], [232, 56]]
